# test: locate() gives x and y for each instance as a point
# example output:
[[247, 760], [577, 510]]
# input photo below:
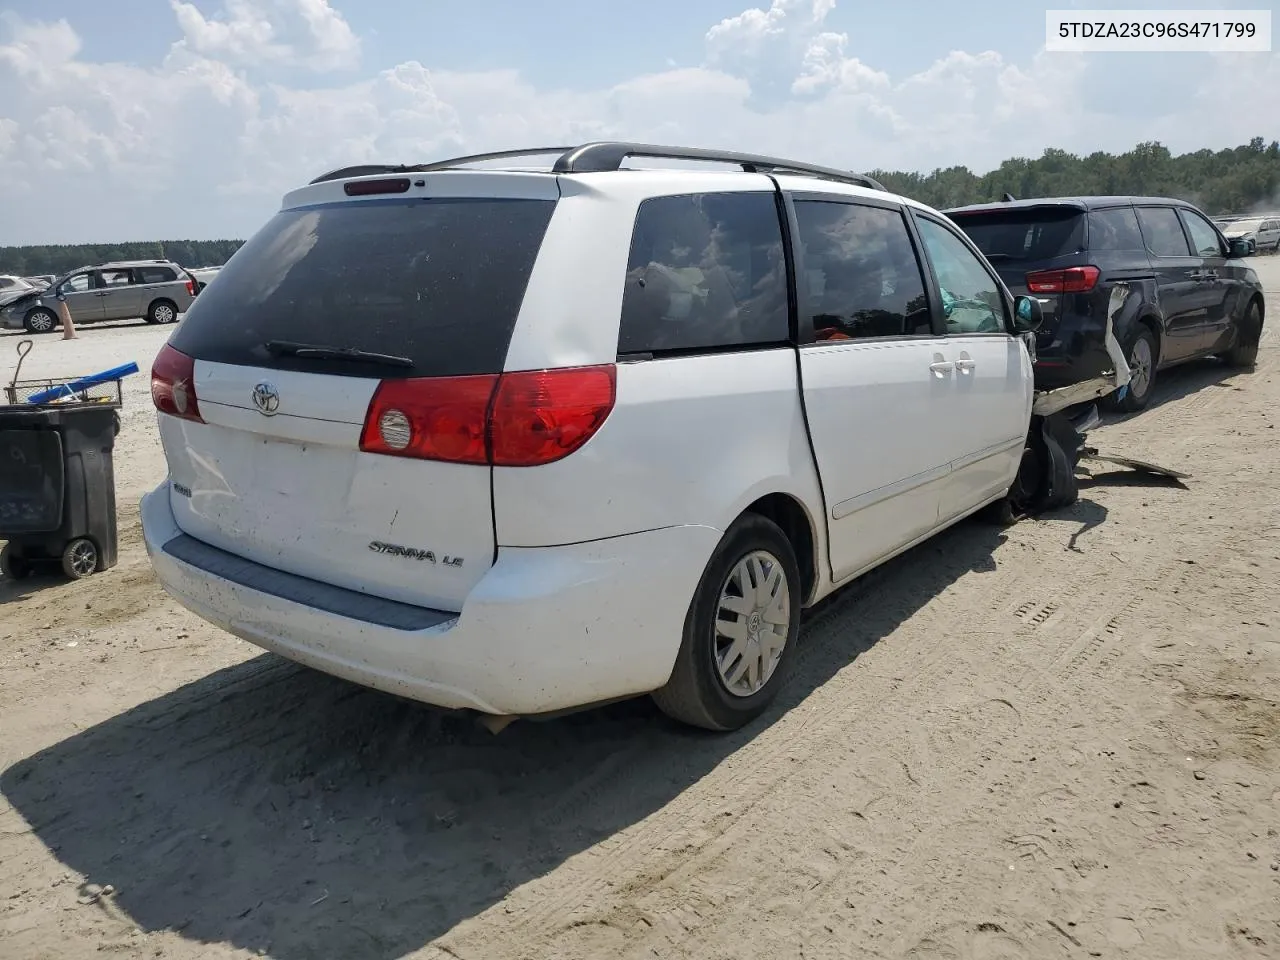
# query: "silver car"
[[1263, 231], [158, 291]]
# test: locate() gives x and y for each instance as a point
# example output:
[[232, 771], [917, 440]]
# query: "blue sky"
[[177, 118]]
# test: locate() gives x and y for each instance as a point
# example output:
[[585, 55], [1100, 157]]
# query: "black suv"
[[1182, 290]]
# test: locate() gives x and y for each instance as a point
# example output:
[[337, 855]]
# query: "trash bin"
[[57, 480]]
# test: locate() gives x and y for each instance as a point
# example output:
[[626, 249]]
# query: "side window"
[[154, 275], [1204, 239], [114, 278], [705, 271], [1115, 228], [1163, 232], [861, 272], [972, 301], [80, 283]]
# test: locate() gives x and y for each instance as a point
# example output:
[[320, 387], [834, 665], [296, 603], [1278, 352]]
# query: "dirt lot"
[[1059, 740]]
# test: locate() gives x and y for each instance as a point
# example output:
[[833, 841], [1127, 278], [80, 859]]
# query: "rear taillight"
[[441, 418], [540, 416], [191, 287], [1070, 280], [521, 419], [173, 384]]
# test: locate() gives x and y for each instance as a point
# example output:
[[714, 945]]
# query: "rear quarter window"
[[155, 275], [437, 281], [705, 272], [1115, 228]]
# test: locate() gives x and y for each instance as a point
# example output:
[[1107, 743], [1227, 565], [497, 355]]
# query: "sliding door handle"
[[941, 367], [965, 364]]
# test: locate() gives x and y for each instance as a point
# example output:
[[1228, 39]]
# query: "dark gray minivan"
[[1182, 288]]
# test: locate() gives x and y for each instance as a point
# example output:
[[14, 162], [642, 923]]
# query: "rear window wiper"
[[318, 351]]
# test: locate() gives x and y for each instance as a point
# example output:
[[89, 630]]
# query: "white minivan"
[[520, 441]]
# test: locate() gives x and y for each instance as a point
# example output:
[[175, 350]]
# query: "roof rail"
[[500, 155], [610, 155]]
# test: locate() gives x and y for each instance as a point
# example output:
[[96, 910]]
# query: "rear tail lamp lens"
[[173, 385], [521, 419], [1070, 280]]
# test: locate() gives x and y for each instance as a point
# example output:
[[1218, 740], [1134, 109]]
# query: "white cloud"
[[205, 143], [307, 33]]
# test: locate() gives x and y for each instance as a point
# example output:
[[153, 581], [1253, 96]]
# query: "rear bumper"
[[546, 629], [1053, 371]]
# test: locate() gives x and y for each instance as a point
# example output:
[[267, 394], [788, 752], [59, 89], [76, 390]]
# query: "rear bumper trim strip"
[[311, 593]]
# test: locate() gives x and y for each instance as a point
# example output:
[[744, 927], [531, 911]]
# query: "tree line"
[[63, 258], [1238, 180]]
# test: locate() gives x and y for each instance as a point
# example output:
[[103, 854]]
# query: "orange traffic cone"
[[68, 327]]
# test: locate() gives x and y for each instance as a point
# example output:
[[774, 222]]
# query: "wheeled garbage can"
[[57, 480]]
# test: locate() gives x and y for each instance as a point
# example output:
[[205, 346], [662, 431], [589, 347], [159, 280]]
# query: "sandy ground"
[[1058, 740]]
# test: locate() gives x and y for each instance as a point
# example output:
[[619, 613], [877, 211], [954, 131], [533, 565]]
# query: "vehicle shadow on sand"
[[279, 810]]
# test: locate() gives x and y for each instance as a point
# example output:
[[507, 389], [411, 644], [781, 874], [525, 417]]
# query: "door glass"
[[971, 299], [115, 278], [1203, 237], [77, 284], [860, 272], [1163, 232]]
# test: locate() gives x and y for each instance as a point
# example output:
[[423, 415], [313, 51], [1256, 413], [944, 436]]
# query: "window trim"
[[1006, 297], [805, 334], [1139, 207], [1183, 214], [674, 353]]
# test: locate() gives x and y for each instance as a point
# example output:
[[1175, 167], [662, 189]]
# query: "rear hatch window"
[[1025, 235], [438, 282], [1026, 240]]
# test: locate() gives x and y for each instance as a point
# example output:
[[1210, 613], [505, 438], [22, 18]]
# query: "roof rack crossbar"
[[610, 155]]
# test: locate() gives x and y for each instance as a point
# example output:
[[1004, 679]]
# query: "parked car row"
[[520, 441], [155, 290]]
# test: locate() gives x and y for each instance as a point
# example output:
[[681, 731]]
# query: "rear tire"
[[1142, 355], [729, 668], [12, 565], [1244, 355], [40, 320], [162, 311]]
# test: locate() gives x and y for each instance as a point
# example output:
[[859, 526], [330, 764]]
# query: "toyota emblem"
[[266, 398]]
